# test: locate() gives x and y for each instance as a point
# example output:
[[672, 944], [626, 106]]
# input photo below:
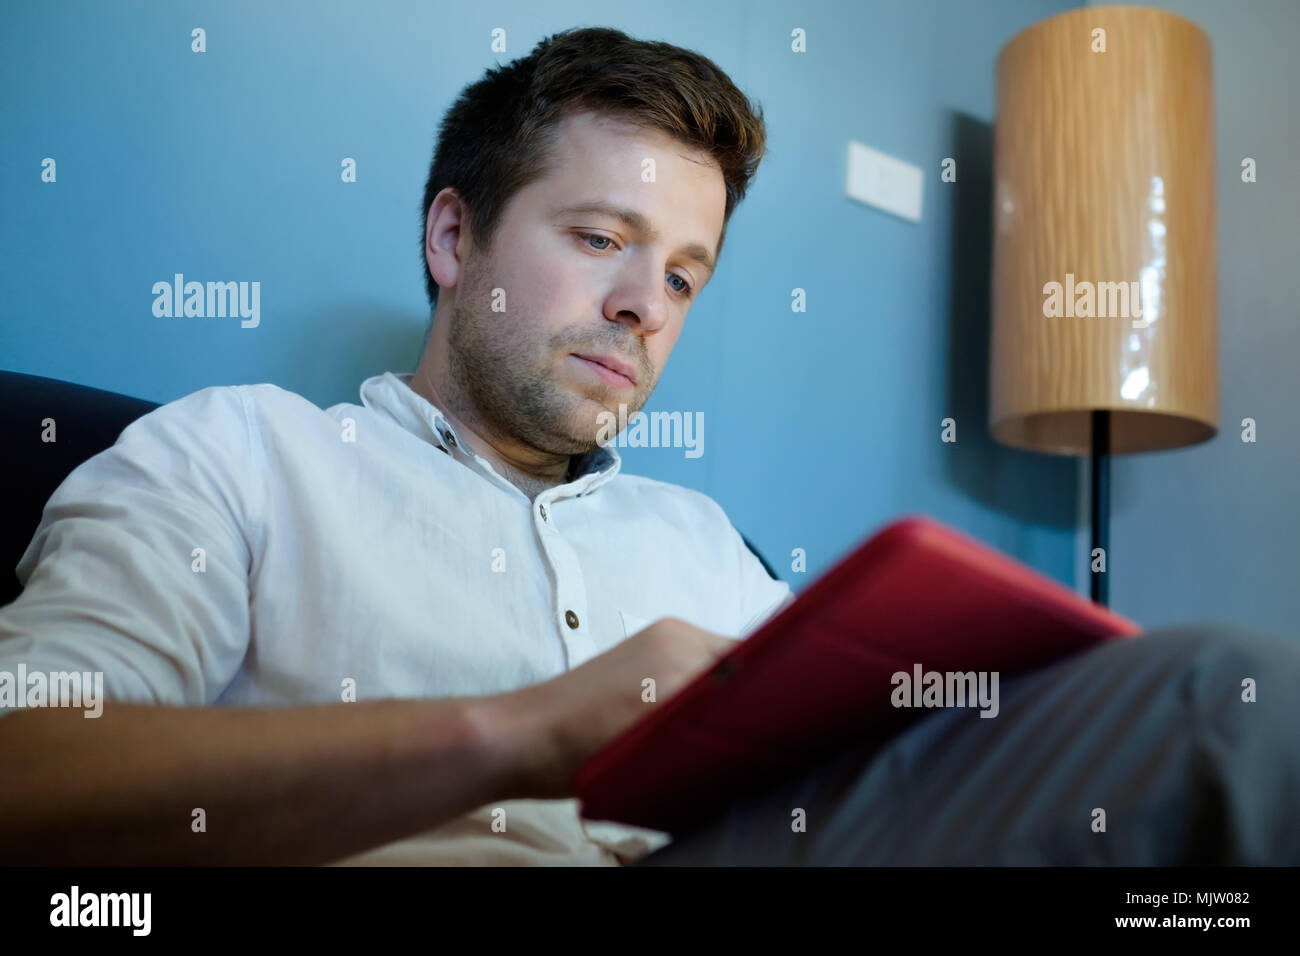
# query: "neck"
[[530, 471]]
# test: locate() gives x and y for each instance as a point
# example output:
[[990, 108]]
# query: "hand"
[[551, 729]]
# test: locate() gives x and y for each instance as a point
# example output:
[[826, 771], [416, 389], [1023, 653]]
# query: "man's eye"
[[684, 288]]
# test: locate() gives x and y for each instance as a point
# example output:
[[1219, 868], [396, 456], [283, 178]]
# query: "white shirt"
[[364, 544]]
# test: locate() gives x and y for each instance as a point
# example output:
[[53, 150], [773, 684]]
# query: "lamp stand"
[[1100, 503]]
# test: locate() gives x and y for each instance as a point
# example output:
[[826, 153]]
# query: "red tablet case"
[[818, 674]]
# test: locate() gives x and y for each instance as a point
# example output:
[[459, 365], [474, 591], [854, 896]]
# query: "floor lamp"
[[1104, 311]]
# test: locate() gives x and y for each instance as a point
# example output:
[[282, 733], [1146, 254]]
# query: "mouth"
[[611, 370]]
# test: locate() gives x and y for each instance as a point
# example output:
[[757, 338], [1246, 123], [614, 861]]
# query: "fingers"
[[719, 645], [714, 644]]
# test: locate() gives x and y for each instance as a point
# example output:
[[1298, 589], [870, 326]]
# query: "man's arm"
[[303, 785], [312, 784]]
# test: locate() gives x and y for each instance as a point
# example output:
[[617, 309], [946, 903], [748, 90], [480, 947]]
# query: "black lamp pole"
[[1100, 502]]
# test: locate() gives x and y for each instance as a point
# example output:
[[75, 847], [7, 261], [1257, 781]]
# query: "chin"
[[584, 427]]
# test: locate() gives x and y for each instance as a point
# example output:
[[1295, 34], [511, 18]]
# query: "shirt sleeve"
[[762, 597], [140, 565]]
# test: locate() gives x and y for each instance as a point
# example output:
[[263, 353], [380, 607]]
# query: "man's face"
[[569, 280]]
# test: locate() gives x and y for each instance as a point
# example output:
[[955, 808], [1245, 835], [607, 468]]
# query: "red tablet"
[[857, 652]]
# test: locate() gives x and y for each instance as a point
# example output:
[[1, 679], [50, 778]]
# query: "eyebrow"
[[639, 223]]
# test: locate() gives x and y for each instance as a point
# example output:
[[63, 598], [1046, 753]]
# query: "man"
[[392, 632], [460, 560]]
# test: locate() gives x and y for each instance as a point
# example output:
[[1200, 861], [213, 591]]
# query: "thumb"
[[718, 645]]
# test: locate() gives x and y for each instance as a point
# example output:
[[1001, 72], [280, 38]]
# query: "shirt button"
[[542, 509], [451, 439], [571, 619]]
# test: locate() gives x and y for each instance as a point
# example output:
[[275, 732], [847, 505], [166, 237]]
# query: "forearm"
[[303, 785]]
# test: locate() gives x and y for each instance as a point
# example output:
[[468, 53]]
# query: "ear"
[[442, 237]]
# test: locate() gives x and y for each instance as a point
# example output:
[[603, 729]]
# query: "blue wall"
[[819, 426]]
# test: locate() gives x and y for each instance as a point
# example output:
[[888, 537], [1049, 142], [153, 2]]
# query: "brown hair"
[[494, 139]]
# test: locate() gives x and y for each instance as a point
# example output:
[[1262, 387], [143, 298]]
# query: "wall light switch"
[[885, 182]]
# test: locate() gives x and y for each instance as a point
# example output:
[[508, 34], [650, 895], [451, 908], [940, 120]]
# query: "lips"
[[613, 364]]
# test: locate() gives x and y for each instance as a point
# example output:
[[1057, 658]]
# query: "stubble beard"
[[500, 377]]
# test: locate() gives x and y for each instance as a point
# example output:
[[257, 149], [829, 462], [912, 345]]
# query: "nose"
[[639, 296]]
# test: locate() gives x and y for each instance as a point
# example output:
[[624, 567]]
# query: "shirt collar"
[[391, 394]]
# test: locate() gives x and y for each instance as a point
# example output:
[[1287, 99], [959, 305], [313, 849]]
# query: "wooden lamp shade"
[[1104, 174]]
